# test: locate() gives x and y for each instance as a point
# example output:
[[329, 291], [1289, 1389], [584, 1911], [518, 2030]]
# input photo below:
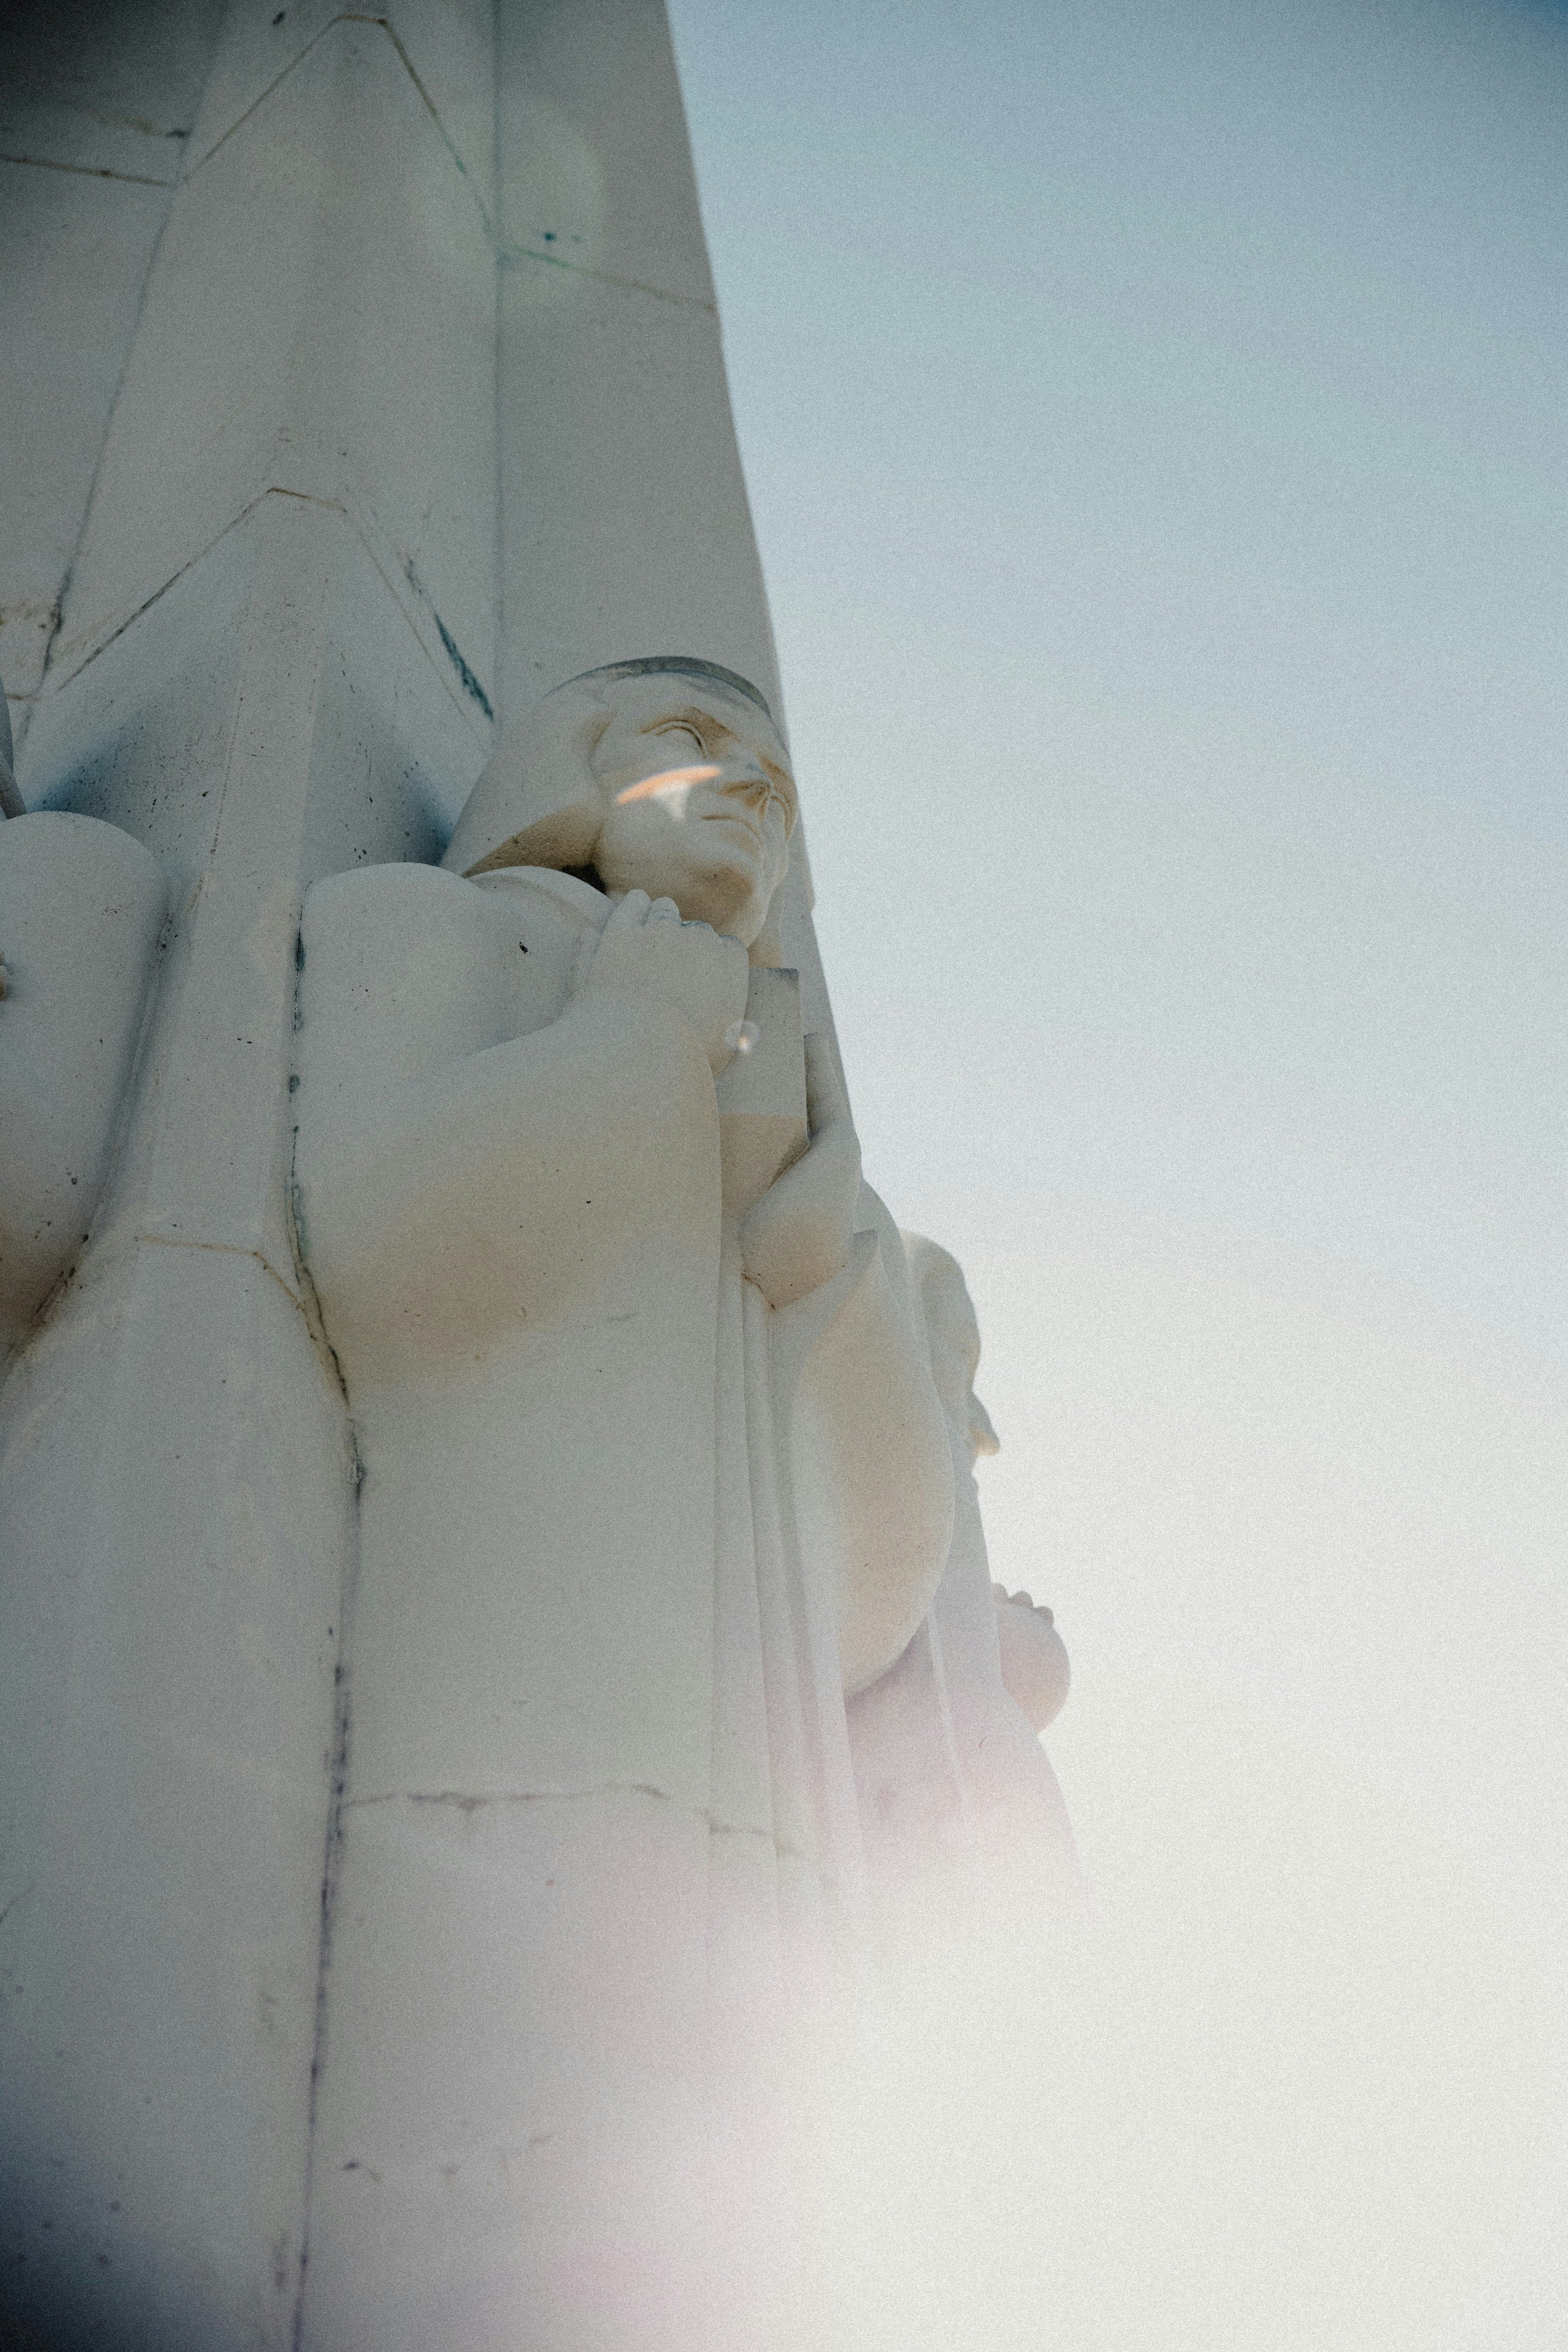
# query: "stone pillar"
[[273, 659], [96, 108], [269, 273], [625, 527]]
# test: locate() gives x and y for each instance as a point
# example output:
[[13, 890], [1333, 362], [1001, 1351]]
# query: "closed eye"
[[687, 734]]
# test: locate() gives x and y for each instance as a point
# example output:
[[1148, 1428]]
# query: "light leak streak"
[[674, 781]]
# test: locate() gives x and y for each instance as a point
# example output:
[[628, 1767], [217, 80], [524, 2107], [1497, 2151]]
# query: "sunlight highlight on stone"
[[669, 780]]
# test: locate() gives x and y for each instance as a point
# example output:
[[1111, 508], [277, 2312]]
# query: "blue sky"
[[1154, 420]]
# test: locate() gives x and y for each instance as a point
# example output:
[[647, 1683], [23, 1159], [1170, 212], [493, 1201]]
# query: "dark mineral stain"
[[470, 682]]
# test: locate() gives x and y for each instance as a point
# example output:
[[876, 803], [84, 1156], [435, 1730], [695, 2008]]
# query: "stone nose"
[[749, 784]]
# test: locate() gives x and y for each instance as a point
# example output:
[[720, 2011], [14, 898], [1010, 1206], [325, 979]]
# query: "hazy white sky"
[[1154, 418]]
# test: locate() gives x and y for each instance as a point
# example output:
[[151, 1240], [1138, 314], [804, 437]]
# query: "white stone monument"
[[465, 1425]]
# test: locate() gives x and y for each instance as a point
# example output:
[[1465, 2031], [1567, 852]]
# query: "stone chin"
[[732, 892]]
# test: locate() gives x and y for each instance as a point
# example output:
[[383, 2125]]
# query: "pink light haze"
[[669, 780]]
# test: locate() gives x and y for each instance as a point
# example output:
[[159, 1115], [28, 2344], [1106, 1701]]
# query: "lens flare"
[[669, 780]]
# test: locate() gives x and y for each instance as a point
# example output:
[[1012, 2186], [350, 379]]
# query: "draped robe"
[[599, 1839], [963, 1822]]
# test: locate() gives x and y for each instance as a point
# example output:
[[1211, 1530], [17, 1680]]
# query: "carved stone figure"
[[1035, 1668], [652, 1467], [490, 1427], [952, 1780], [81, 905]]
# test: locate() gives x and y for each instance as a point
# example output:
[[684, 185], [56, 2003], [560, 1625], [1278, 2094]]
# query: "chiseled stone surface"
[[81, 906], [95, 85], [629, 1632], [447, 48], [171, 1607], [321, 319], [596, 166], [626, 484], [272, 717], [96, 103], [66, 323], [483, 1423], [607, 497], [279, 705]]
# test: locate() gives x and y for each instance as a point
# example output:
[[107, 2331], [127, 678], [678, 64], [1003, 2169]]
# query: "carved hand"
[[797, 1235], [1021, 1600], [645, 950], [1035, 1667]]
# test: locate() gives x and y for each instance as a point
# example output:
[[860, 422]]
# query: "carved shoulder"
[[393, 982], [405, 968], [358, 929]]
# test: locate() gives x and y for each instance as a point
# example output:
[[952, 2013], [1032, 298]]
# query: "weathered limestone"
[[626, 523], [96, 105], [81, 905], [593, 1648], [426, 1603], [251, 678], [626, 526], [345, 357]]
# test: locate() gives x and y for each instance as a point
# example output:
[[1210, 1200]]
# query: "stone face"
[[624, 1529], [629, 488], [627, 1634]]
